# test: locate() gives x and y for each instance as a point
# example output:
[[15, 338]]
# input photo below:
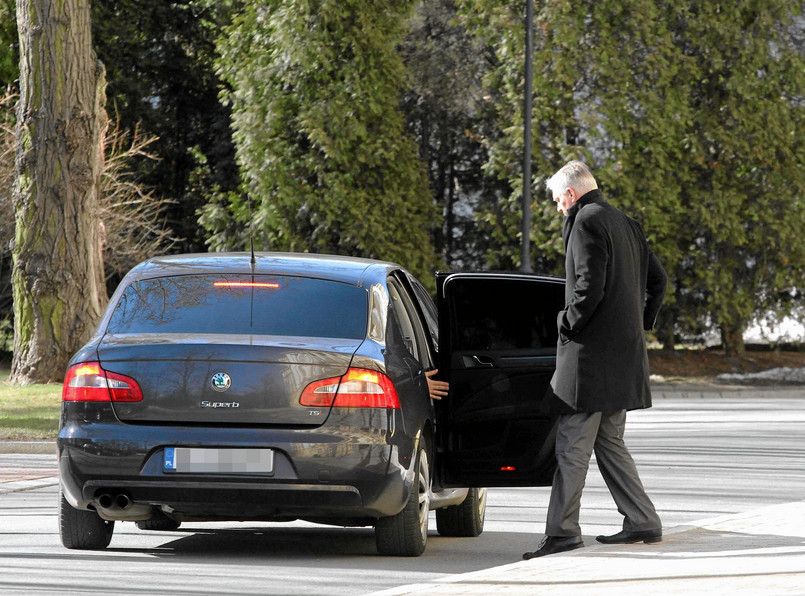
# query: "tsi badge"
[[221, 381]]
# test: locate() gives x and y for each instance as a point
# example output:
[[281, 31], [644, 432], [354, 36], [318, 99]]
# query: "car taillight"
[[89, 382], [358, 388]]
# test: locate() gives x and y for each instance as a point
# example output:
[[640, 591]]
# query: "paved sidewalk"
[[26, 468], [758, 552]]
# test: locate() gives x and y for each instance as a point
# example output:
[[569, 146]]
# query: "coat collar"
[[594, 196]]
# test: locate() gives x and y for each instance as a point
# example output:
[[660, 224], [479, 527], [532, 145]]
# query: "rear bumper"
[[329, 474]]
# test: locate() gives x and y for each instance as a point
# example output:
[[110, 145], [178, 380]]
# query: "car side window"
[[410, 325], [400, 315], [500, 315], [428, 310]]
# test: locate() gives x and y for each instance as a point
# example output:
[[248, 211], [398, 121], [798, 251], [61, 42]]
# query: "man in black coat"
[[614, 288]]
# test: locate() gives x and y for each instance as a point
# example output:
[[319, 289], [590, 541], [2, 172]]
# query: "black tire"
[[406, 534], [465, 520], [81, 529], [159, 522]]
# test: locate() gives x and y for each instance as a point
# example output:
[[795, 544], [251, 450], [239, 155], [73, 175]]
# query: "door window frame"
[[410, 319]]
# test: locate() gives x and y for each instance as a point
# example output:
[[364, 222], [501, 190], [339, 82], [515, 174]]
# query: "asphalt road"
[[699, 457]]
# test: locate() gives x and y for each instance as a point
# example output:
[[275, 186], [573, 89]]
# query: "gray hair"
[[575, 175]]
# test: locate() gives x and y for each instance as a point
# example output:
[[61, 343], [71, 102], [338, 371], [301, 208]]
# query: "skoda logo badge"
[[221, 381]]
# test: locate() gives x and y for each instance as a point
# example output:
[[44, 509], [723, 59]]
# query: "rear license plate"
[[201, 460]]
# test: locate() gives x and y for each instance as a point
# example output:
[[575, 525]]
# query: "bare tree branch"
[[133, 218]]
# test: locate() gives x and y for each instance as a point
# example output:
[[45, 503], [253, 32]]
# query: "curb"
[[46, 447], [22, 485], [32, 465], [701, 391]]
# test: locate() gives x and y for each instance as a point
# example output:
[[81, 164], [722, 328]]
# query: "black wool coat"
[[614, 288]]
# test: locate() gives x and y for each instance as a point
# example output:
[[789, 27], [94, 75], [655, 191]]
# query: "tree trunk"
[[58, 282], [665, 331], [732, 338]]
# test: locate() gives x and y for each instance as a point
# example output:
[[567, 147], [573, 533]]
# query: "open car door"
[[498, 336]]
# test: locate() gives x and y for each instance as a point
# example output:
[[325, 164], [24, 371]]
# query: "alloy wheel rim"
[[424, 494], [481, 503]]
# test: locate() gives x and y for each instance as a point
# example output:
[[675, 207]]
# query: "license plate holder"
[[217, 460]]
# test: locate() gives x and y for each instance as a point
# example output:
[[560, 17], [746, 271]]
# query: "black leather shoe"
[[551, 545], [630, 537]]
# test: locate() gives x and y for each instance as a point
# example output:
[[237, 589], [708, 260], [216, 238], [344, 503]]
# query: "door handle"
[[478, 361]]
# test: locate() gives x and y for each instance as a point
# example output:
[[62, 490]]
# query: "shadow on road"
[[328, 546]]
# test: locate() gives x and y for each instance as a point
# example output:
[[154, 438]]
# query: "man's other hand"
[[437, 389]]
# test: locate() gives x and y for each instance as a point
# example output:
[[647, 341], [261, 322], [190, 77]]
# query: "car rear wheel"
[[466, 519], [406, 534], [80, 529], [159, 522]]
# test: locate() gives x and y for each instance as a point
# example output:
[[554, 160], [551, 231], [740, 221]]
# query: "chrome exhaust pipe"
[[123, 501], [105, 500], [112, 504]]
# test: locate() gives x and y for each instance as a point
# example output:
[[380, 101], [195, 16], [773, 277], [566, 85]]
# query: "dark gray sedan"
[[281, 387]]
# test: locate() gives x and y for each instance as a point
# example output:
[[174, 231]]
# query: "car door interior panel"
[[498, 344]]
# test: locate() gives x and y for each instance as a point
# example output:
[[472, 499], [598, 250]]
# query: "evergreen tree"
[[320, 137], [690, 114], [446, 113], [744, 208], [159, 58], [598, 71]]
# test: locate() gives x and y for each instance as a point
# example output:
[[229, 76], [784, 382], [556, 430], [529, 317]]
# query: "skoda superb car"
[[275, 387]]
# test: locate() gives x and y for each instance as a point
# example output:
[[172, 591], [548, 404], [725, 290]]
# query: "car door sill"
[[447, 497]]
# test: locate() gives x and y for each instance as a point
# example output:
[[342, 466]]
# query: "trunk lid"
[[223, 379]]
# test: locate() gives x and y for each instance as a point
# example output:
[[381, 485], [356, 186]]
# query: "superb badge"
[[221, 381]]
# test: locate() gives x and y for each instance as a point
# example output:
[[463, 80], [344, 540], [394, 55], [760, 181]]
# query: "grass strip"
[[30, 412]]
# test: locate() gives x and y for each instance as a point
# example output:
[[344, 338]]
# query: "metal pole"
[[525, 253]]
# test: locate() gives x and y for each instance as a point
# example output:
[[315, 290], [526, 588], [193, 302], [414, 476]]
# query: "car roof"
[[352, 270]]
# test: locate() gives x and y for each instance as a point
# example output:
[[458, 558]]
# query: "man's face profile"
[[564, 201]]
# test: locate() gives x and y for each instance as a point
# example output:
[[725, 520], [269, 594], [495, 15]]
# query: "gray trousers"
[[578, 435]]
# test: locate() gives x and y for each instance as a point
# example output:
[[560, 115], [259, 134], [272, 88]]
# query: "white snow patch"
[[792, 376]]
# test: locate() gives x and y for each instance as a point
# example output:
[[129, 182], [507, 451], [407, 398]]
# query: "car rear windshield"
[[242, 304]]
